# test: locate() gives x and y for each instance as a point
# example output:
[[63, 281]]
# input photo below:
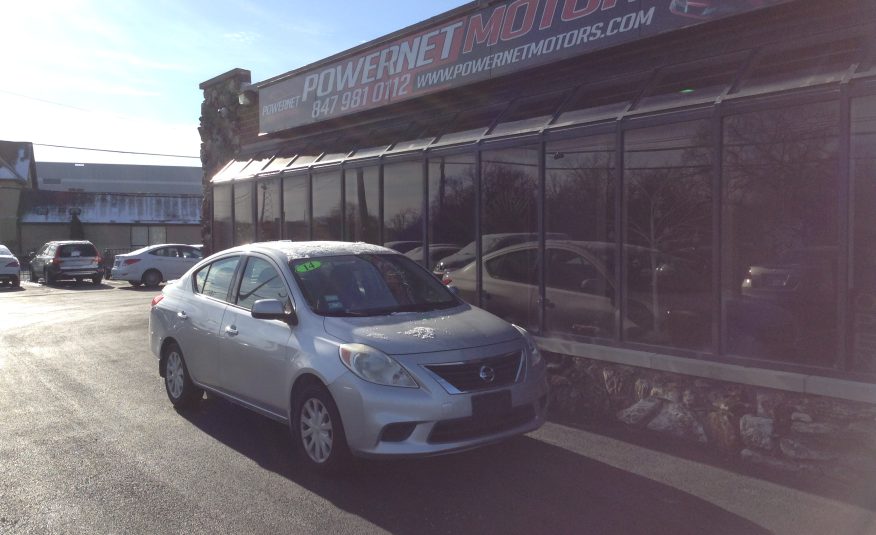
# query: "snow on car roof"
[[309, 249]]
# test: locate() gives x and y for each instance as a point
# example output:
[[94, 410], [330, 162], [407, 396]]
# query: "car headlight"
[[532, 352], [375, 366]]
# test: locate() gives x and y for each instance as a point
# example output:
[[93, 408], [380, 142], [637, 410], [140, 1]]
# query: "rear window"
[[74, 250]]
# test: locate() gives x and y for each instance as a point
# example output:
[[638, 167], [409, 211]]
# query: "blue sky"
[[124, 75]]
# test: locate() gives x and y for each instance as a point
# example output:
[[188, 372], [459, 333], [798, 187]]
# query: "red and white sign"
[[495, 41]]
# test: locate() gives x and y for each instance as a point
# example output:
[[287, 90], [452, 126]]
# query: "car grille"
[[466, 376], [468, 428]]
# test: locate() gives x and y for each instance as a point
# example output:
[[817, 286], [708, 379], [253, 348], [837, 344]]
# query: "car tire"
[[181, 391], [48, 279], [135, 284], [317, 430], [152, 278], [78, 279], [16, 282], [96, 280], [33, 276]]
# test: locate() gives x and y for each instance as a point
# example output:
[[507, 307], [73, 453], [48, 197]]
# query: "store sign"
[[503, 38]]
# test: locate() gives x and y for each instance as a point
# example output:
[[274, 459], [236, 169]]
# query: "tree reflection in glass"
[[668, 235], [780, 233]]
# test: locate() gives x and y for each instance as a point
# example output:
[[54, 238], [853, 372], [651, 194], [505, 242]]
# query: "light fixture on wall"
[[248, 95]]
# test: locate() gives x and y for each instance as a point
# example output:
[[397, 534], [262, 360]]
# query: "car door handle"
[[231, 330], [182, 315]]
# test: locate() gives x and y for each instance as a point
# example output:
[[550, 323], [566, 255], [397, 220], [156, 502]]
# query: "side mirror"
[[273, 309]]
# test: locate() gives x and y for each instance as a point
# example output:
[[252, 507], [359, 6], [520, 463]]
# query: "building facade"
[[677, 198], [120, 207]]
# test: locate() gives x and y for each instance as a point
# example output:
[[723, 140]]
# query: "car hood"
[[7, 258], [423, 332]]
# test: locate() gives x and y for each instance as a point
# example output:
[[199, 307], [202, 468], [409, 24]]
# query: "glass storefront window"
[[667, 250], [779, 225], [580, 251], [222, 231], [295, 201], [692, 83], [403, 202], [268, 210], [363, 204], [863, 297], [451, 211], [509, 239], [813, 63], [243, 216], [605, 100], [327, 206]]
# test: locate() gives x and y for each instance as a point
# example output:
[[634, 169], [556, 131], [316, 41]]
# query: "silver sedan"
[[361, 351]]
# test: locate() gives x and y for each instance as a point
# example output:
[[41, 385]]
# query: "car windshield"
[[369, 285]]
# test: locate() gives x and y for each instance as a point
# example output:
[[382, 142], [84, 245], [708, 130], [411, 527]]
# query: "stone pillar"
[[220, 130]]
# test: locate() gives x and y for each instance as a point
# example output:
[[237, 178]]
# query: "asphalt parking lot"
[[90, 444]]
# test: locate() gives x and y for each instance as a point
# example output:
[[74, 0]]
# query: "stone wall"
[[771, 428], [221, 136]]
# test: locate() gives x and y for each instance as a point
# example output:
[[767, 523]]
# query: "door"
[[579, 297], [255, 353], [510, 286], [199, 319]]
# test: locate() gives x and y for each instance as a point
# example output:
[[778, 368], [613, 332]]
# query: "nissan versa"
[[359, 349]]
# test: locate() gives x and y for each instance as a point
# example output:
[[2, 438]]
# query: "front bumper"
[[383, 421]]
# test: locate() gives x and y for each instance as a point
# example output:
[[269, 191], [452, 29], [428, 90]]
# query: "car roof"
[[69, 242], [294, 250]]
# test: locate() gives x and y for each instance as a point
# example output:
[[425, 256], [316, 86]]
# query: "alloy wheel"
[[316, 430], [174, 374]]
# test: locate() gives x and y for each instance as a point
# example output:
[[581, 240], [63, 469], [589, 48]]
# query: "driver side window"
[[261, 280]]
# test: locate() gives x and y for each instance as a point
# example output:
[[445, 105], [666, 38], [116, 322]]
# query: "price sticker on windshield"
[[308, 266]]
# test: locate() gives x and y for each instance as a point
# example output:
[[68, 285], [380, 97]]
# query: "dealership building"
[[678, 198]]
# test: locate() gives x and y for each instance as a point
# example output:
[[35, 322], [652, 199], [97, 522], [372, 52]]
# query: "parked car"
[[71, 260], [10, 268], [437, 251], [489, 243], [361, 351], [580, 290], [796, 300], [155, 264], [402, 246]]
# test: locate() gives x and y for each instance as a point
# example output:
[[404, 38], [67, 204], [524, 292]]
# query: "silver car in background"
[[154, 264], [10, 268], [361, 351]]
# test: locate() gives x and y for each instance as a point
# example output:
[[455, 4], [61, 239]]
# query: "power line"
[[115, 151]]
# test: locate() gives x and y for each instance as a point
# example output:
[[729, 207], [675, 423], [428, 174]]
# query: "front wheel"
[[96, 280], [16, 282], [48, 278], [318, 431], [180, 389]]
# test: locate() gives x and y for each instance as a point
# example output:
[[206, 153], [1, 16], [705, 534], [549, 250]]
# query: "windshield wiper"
[[345, 313], [424, 307]]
